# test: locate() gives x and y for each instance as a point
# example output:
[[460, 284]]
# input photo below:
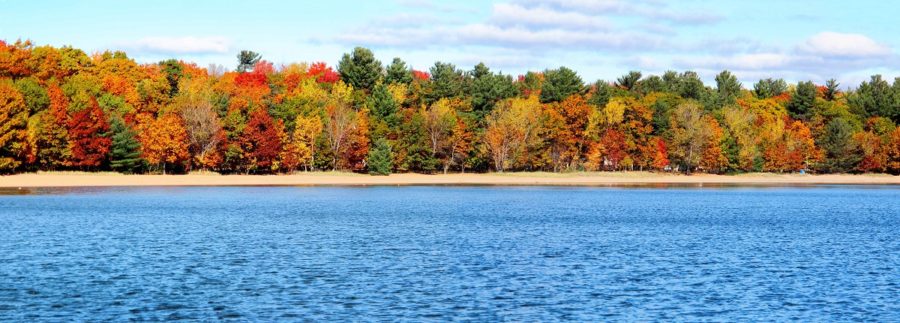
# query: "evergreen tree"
[[728, 88], [246, 60], [383, 109], [446, 82], [629, 81], [831, 89], [689, 86], [769, 87], [841, 152], [360, 69], [803, 100], [124, 153], [488, 88], [600, 94], [875, 98], [174, 71], [398, 72], [380, 158], [559, 84]]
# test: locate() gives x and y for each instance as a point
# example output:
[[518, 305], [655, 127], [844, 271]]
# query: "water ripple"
[[441, 253]]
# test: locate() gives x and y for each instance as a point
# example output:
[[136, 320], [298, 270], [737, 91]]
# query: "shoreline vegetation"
[[64, 110], [110, 179]]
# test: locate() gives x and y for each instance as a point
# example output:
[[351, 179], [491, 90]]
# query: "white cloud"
[[181, 45], [648, 9], [513, 14], [432, 5], [484, 34], [650, 35], [834, 44], [756, 61]]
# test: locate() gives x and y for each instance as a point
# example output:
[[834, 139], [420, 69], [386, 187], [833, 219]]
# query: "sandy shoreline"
[[63, 179]]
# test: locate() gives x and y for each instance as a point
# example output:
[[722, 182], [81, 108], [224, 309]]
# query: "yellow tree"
[[460, 145], [164, 141], [300, 148], [713, 158], [512, 126], [340, 122], [893, 152], [13, 119], [690, 135], [440, 121]]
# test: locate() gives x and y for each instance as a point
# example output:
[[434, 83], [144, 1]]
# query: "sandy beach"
[[75, 179]]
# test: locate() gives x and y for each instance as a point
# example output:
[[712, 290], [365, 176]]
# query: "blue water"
[[827, 253]]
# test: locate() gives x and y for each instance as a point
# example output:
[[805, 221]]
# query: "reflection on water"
[[817, 253]]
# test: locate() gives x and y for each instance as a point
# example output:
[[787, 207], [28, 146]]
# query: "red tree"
[[613, 142], [323, 73], [661, 155], [420, 75], [261, 140], [87, 129], [256, 78]]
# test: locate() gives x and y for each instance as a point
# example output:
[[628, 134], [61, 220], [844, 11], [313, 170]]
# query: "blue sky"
[[603, 39]]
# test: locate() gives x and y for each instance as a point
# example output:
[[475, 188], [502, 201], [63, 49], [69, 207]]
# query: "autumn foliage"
[[57, 106]]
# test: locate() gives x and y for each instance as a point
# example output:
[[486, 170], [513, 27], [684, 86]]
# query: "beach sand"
[[78, 179]]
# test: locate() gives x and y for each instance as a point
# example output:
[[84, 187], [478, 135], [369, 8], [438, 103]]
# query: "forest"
[[63, 109]]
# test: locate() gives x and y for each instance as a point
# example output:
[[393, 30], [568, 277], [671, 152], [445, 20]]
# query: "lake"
[[818, 253]]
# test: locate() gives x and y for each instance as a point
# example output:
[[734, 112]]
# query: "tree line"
[[62, 109]]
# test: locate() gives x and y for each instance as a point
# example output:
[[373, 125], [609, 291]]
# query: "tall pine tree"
[[380, 158], [125, 153]]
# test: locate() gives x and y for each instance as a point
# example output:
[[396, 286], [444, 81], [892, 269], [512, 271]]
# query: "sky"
[[600, 39]]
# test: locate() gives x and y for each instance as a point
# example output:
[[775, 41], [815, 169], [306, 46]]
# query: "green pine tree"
[[380, 158], [124, 154]]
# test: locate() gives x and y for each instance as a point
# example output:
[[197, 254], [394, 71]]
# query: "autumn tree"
[[354, 157], [14, 58], [201, 122], [164, 141], [300, 149], [322, 73], [50, 139], [892, 152], [460, 145], [511, 127], [441, 119], [712, 158], [660, 154], [568, 139], [88, 139], [339, 122], [13, 118], [691, 136], [261, 141]]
